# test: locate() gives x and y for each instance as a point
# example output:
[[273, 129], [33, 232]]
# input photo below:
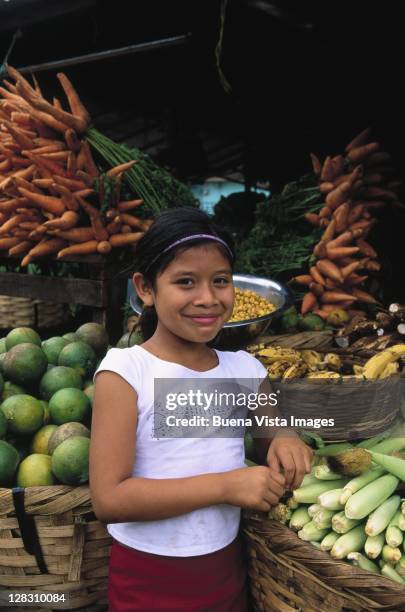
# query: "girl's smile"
[[194, 295]]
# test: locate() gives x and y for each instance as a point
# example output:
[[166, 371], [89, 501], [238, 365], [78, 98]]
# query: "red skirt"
[[146, 582]]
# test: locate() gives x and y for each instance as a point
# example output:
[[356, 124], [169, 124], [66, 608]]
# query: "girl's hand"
[[290, 453], [257, 488]]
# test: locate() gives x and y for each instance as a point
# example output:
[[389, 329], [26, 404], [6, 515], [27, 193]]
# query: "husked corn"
[[249, 305]]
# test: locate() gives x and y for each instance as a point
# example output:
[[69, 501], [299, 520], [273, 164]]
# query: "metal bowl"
[[241, 333]]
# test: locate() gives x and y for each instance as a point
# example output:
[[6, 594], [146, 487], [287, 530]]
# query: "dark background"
[[305, 76]]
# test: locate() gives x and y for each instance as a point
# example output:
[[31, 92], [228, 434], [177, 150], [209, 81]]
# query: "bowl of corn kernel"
[[257, 302]]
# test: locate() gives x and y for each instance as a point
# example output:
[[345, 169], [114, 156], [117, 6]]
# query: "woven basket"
[[287, 574], [68, 548], [26, 312]]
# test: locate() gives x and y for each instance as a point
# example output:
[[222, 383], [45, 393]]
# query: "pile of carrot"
[[49, 203], [354, 185]]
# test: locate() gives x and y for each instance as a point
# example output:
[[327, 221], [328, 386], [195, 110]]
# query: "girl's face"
[[194, 295]]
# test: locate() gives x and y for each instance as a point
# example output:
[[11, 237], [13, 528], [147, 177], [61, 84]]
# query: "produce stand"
[[104, 291]]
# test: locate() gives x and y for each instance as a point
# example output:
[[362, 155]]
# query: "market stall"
[[69, 194]]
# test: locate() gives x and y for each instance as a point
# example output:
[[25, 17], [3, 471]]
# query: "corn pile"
[[355, 186], [353, 510], [249, 305], [47, 176]]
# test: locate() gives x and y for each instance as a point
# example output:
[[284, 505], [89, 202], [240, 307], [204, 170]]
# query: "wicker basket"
[[50, 540], [287, 574], [21, 311]]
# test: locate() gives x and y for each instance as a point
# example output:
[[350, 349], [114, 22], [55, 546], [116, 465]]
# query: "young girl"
[[172, 505]]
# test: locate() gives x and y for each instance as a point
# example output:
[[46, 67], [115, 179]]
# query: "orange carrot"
[[8, 243], [21, 182], [338, 195], [328, 268], [316, 164], [341, 215], [330, 284], [57, 103], [309, 302], [355, 279], [360, 139], [338, 163], [43, 183], [131, 204], [84, 248], [22, 119], [87, 179], [350, 178], [302, 279], [72, 184], [339, 252], [320, 249], [343, 240], [76, 234], [329, 232], [76, 123], [48, 203], [43, 121], [121, 240], [83, 193], [72, 141], [121, 168], [67, 197], [325, 212], [113, 227], [68, 220], [133, 222], [104, 247], [125, 229], [89, 163], [76, 105], [22, 248], [71, 163], [363, 296], [350, 268], [317, 276], [326, 187], [327, 173], [329, 297], [358, 154], [372, 266], [11, 223], [21, 139], [355, 213], [9, 206], [366, 248], [47, 246], [52, 167], [50, 148], [316, 289], [29, 225], [61, 156], [364, 224]]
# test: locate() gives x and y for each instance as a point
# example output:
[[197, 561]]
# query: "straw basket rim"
[[354, 586]]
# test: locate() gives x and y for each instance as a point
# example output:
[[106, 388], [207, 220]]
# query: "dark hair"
[[172, 225]]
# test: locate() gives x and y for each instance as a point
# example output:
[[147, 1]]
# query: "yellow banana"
[[277, 369], [325, 374], [390, 369], [272, 354], [358, 369], [296, 370], [376, 364], [333, 361], [311, 358]]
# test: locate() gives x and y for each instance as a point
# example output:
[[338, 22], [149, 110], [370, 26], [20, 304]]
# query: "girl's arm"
[[118, 497]]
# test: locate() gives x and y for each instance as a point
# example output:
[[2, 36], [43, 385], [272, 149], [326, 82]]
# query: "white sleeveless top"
[[204, 530]]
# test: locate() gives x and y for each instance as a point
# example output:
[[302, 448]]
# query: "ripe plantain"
[[272, 354], [296, 370], [311, 358], [277, 369], [333, 362], [390, 369], [376, 364]]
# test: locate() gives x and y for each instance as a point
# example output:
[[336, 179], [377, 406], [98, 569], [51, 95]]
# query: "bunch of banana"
[[377, 366], [272, 354], [324, 374], [312, 359], [277, 369], [296, 370]]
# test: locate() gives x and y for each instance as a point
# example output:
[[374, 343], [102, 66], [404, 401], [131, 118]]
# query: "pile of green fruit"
[[46, 394], [292, 321]]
